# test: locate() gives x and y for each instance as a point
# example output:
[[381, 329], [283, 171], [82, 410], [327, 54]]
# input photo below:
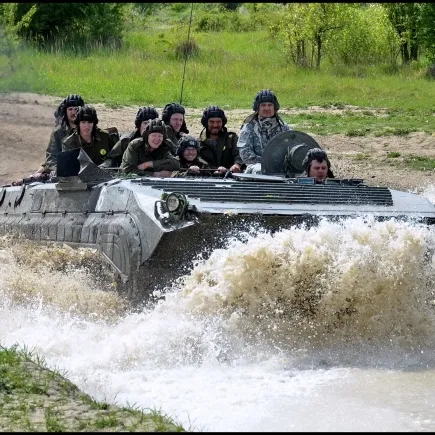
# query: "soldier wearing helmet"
[[259, 128], [143, 117], [173, 117], [151, 154], [95, 142], [66, 113], [317, 165], [218, 146], [190, 161]]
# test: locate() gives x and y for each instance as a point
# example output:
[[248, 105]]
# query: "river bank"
[[36, 399]]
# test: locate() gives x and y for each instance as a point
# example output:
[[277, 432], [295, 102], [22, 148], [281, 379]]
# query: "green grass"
[[229, 70], [393, 155], [397, 122], [24, 388], [419, 162]]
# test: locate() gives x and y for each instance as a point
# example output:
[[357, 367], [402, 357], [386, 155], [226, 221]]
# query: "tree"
[[305, 28], [427, 30], [405, 18], [77, 22]]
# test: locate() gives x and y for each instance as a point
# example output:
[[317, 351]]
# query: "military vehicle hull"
[[147, 246]]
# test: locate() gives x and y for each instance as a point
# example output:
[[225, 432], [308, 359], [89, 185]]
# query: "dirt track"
[[27, 121]]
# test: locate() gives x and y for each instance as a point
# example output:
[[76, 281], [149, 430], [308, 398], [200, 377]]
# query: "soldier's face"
[[190, 154], [214, 125], [71, 113], [155, 140], [143, 126], [266, 110], [176, 121], [86, 128], [318, 170]]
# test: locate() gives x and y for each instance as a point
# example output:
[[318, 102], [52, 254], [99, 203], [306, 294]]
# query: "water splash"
[[271, 329]]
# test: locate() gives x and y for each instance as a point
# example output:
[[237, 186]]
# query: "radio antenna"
[[186, 53]]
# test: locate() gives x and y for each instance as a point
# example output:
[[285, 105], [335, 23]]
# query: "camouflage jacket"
[[114, 157], [139, 152], [97, 150], [225, 153], [55, 147], [250, 143]]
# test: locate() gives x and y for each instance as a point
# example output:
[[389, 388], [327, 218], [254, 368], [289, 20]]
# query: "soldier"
[[259, 128], [58, 114], [188, 153], [317, 165], [218, 145], [173, 117], [143, 117], [67, 109], [151, 154], [96, 142]]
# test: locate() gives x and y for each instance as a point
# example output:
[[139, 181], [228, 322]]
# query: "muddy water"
[[329, 328]]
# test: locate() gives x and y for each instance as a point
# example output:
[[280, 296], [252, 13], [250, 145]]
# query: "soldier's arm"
[[167, 163], [245, 144], [53, 149]]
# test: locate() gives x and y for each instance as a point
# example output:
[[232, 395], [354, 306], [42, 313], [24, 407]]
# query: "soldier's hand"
[[194, 169], [221, 170], [37, 176], [235, 168]]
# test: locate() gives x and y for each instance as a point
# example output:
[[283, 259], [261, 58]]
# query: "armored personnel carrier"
[[148, 229]]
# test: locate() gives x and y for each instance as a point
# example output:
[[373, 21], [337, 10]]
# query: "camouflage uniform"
[[139, 152], [253, 140], [97, 150], [224, 153], [55, 147]]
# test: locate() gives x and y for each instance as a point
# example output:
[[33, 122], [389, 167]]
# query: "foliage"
[[304, 30], [230, 21], [230, 6], [148, 9], [367, 38], [405, 18], [42, 23], [186, 49], [9, 45], [427, 29]]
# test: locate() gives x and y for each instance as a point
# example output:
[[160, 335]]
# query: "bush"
[[232, 21], [430, 72], [186, 49], [74, 23]]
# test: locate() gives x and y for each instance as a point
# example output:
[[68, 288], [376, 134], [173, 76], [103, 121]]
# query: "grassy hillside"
[[229, 69]]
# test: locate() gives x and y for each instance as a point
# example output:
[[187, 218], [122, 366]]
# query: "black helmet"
[[155, 126], [86, 113], [58, 113], [213, 112], [265, 96], [145, 114], [315, 154], [73, 100], [185, 142], [170, 109]]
